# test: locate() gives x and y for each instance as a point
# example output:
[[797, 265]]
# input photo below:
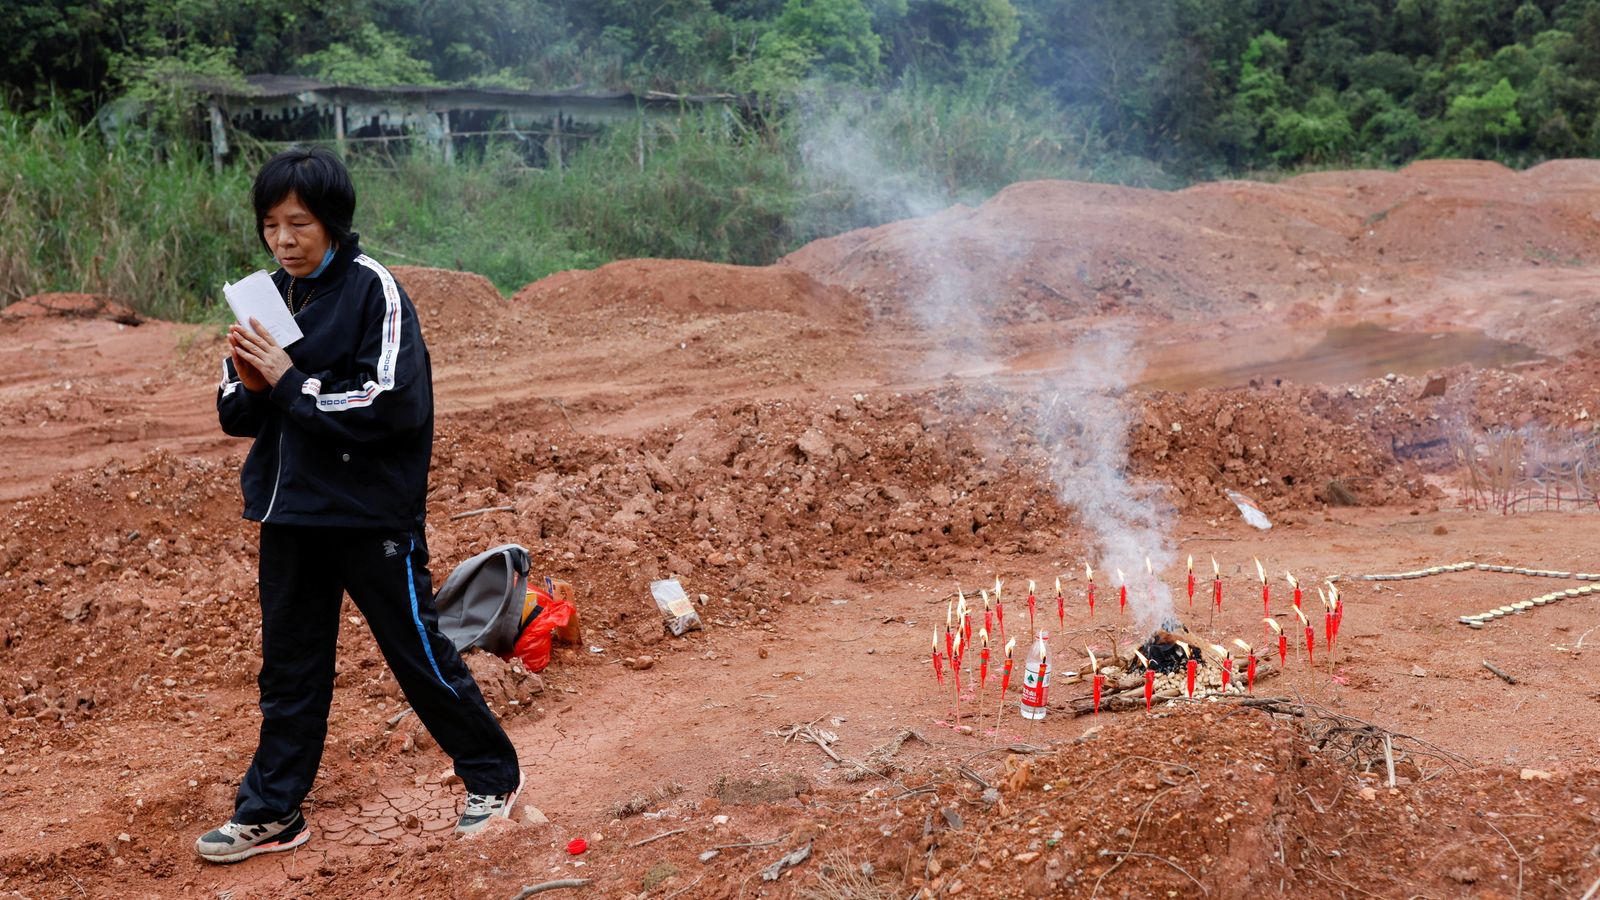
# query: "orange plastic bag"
[[533, 645]]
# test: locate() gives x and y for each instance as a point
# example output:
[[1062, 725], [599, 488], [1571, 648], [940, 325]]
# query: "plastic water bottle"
[[1036, 678]]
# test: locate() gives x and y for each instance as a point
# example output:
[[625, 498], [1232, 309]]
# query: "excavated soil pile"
[[463, 314], [1197, 801], [1246, 804], [676, 287], [1340, 242], [743, 501], [76, 306], [819, 466]]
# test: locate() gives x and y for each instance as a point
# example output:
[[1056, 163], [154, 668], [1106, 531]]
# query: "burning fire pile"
[[1171, 664]]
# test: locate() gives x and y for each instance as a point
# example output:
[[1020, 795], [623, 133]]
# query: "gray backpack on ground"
[[480, 604]]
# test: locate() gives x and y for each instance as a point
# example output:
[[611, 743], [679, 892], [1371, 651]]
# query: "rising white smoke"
[[1083, 427], [1084, 414]]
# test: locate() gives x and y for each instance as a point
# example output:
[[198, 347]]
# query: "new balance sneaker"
[[483, 807], [233, 841]]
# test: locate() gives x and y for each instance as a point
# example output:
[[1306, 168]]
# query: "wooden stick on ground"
[[478, 512], [653, 838], [558, 884], [1498, 672]]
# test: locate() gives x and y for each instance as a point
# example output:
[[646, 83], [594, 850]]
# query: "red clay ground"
[[801, 447]]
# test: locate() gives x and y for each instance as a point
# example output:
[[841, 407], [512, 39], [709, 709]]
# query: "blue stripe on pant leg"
[[416, 616]]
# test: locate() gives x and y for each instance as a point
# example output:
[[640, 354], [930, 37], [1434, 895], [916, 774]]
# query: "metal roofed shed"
[[285, 109]]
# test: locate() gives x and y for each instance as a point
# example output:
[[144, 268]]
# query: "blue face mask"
[[326, 258]]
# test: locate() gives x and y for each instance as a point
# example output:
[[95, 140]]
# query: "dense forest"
[[867, 110], [1197, 85]]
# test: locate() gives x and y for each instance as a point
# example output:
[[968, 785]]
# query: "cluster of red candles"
[[958, 630]]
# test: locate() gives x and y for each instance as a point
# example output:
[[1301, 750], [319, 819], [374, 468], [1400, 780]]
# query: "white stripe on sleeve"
[[227, 386], [388, 354]]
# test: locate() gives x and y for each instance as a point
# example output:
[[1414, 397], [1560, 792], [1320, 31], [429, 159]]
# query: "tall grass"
[[160, 234], [708, 188], [157, 228]]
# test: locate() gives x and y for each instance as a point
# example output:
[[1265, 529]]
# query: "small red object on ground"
[[577, 846]]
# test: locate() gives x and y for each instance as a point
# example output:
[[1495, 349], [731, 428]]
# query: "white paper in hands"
[[256, 297]]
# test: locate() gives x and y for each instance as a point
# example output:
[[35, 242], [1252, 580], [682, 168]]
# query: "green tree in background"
[[370, 56], [1201, 87], [951, 40], [1479, 121], [836, 34]]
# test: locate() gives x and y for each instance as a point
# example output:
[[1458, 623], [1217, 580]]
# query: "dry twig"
[[750, 845], [1499, 673], [652, 839], [1513, 853], [685, 888], [1155, 856], [478, 512], [560, 883]]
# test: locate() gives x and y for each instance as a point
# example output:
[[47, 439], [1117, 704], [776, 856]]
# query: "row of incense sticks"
[[959, 625], [994, 613]]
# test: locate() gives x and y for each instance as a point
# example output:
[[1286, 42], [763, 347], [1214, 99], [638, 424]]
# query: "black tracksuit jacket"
[[345, 437]]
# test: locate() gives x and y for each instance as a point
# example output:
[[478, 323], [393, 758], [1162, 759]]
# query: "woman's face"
[[296, 238]]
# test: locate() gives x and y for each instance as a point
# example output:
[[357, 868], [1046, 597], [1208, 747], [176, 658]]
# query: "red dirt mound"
[[1355, 243], [459, 311], [688, 288], [74, 306]]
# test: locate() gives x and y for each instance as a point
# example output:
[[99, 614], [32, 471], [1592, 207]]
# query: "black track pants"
[[304, 574]]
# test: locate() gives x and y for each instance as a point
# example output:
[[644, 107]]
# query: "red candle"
[[1310, 645], [988, 612], [1250, 664], [1005, 683], [1283, 641], [1031, 603], [1294, 583], [938, 667], [1191, 581], [1061, 604], [1099, 682], [1335, 606], [1216, 584], [1122, 592], [1305, 624], [1149, 688], [999, 609], [983, 655], [1266, 592], [1192, 666], [1227, 673], [966, 628]]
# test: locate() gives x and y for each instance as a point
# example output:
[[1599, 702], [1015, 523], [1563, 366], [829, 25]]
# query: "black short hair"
[[318, 178]]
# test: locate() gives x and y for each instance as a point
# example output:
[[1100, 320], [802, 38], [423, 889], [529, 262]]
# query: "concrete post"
[[219, 136]]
